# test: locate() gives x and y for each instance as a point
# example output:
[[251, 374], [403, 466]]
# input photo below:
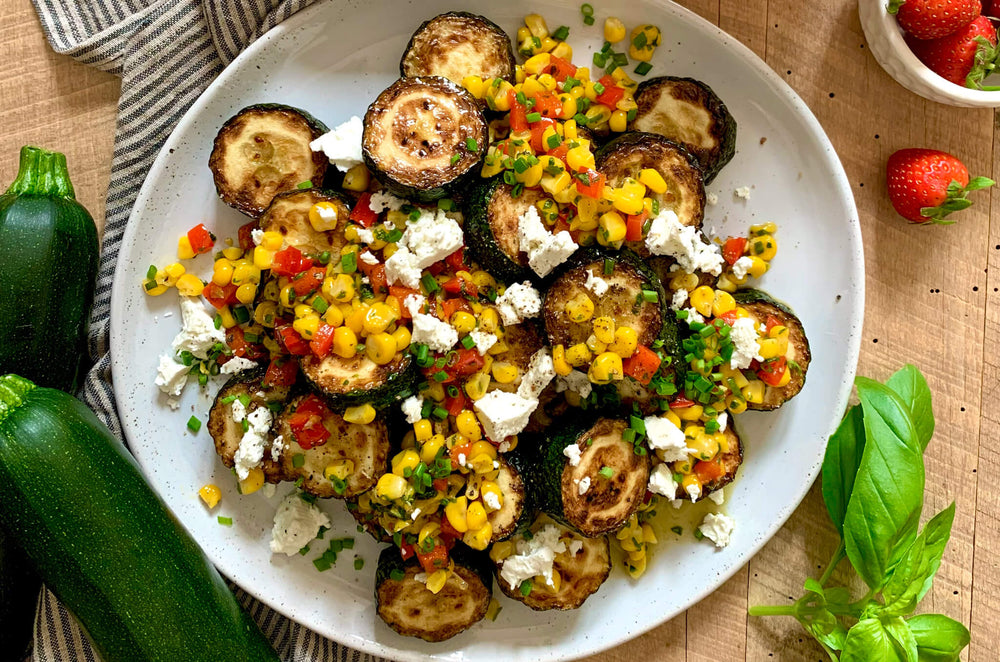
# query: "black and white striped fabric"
[[166, 52]]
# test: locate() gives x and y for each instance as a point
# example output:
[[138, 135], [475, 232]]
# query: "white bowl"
[[885, 39]]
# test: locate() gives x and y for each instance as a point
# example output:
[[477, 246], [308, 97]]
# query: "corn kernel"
[[763, 228], [306, 326], [390, 486], [475, 386], [536, 64], [476, 515], [606, 367], [190, 285], [723, 303], [253, 482], [754, 391], [653, 181], [401, 336], [429, 449], [692, 413], [604, 330], [578, 355], [618, 121], [613, 227], [758, 267], [614, 29], [468, 425], [474, 85], [357, 178], [404, 460], [210, 494], [381, 348], [226, 315], [339, 469], [702, 299], [580, 308], [562, 367], [504, 372], [563, 50], [184, 250], [625, 343], [423, 430], [536, 24], [345, 342], [222, 272], [763, 246], [479, 538]]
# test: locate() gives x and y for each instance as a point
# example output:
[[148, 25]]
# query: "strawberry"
[[927, 185], [965, 57], [933, 19]]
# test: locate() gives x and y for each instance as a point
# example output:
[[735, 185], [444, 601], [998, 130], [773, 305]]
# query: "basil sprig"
[[873, 487]]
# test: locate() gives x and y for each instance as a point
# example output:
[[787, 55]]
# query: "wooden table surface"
[[931, 299]]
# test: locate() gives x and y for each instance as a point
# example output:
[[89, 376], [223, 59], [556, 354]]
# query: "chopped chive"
[[241, 314], [643, 68], [600, 59], [305, 184], [650, 296], [468, 342], [554, 141], [322, 563], [471, 144], [151, 273], [304, 550], [430, 283], [244, 399], [526, 587], [698, 534], [446, 204], [609, 266], [455, 158], [517, 190], [318, 304], [588, 20], [349, 262], [440, 376], [217, 321], [639, 41], [620, 59], [397, 575], [225, 521], [359, 563], [194, 424], [677, 529], [598, 88], [298, 460], [440, 413], [533, 117], [561, 33], [229, 398], [580, 119], [607, 472]]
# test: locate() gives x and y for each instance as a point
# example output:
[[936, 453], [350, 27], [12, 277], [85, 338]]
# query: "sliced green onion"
[[677, 529], [298, 460], [440, 413], [194, 424], [620, 59], [468, 342], [217, 321], [639, 41], [440, 376], [430, 283], [554, 141], [561, 33], [225, 521], [322, 564], [359, 563], [526, 588], [588, 20], [446, 204], [397, 575], [455, 158], [318, 304], [598, 88], [471, 144], [607, 472], [244, 399], [305, 184], [609, 266], [241, 314], [600, 59], [304, 550], [642, 69], [151, 273], [349, 263], [533, 117]]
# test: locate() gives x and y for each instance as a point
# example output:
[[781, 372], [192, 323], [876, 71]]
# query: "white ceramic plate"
[[332, 60]]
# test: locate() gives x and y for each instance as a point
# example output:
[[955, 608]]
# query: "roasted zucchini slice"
[[264, 150], [730, 459], [407, 606], [630, 153], [512, 514], [688, 112], [424, 137], [457, 44], [491, 228], [623, 301], [582, 569], [288, 214], [360, 508], [524, 340], [246, 392], [598, 493], [348, 382], [366, 447], [761, 305]]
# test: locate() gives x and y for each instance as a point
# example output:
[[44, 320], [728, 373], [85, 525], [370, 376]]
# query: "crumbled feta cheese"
[[414, 303], [432, 238], [295, 524], [381, 201], [717, 497], [584, 485], [712, 198], [694, 316], [421, 577], [251, 450], [545, 251], [746, 348], [533, 557], [268, 489], [171, 376], [236, 364], [573, 452], [742, 267], [693, 492], [411, 408], [429, 330], [198, 333], [679, 299], [667, 236], [491, 500], [723, 420], [366, 235], [596, 284], [483, 341], [169, 313], [368, 258], [540, 372], [342, 145], [718, 528], [461, 460], [575, 381], [239, 411], [664, 436], [742, 192], [258, 236], [277, 446], [415, 514], [520, 301], [504, 414], [661, 481], [402, 267], [575, 546]]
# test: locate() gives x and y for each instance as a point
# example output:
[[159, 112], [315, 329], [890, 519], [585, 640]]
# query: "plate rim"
[[583, 646]]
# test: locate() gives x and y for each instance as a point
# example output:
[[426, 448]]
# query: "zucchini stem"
[[12, 392], [42, 173]]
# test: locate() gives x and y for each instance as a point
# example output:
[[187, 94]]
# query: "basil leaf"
[[910, 385], [883, 512], [868, 641], [938, 638], [840, 465], [825, 627], [822, 623], [899, 632], [913, 576]]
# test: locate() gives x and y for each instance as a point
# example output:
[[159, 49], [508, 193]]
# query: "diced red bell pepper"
[[559, 152], [456, 451], [464, 362], [772, 322], [455, 405], [560, 69], [306, 422], [633, 226], [733, 249], [201, 239], [518, 113], [642, 365], [728, 317], [456, 260], [245, 235], [537, 129], [437, 268], [322, 340], [377, 279], [241, 348], [612, 94], [447, 530], [291, 340], [436, 559], [548, 104], [289, 261], [401, 293], [680, 402], [771, 371], [450, 306], [461, 286], [441, 484], [220, 296], [406, 551], [595, 187], [282, 371], [708, 470], [308, 282], [362, 213]]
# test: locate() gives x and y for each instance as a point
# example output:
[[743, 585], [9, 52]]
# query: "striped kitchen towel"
[[166, 52]]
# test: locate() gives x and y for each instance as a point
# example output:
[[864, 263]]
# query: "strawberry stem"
[[956, 200], [894, 5]]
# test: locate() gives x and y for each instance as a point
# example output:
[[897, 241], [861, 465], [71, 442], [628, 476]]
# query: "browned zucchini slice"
[[507, 520], [760, 305], [264, 150], [688, 112], [424, 137], [246, 393], [524, 340], [288, 214], [581, 573], [347, 382], [492, 220], [409, 608], [630, 153], [360, 508], [366, 446], [457, 44]]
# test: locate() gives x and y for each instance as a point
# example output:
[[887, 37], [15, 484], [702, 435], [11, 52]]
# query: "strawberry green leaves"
[[873, 485], [956, 199]]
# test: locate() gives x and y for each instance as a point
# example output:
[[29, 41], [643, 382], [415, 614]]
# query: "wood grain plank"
[[51, 101]]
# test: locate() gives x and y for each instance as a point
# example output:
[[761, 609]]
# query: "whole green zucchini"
[[48, 265], [103, 541]]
